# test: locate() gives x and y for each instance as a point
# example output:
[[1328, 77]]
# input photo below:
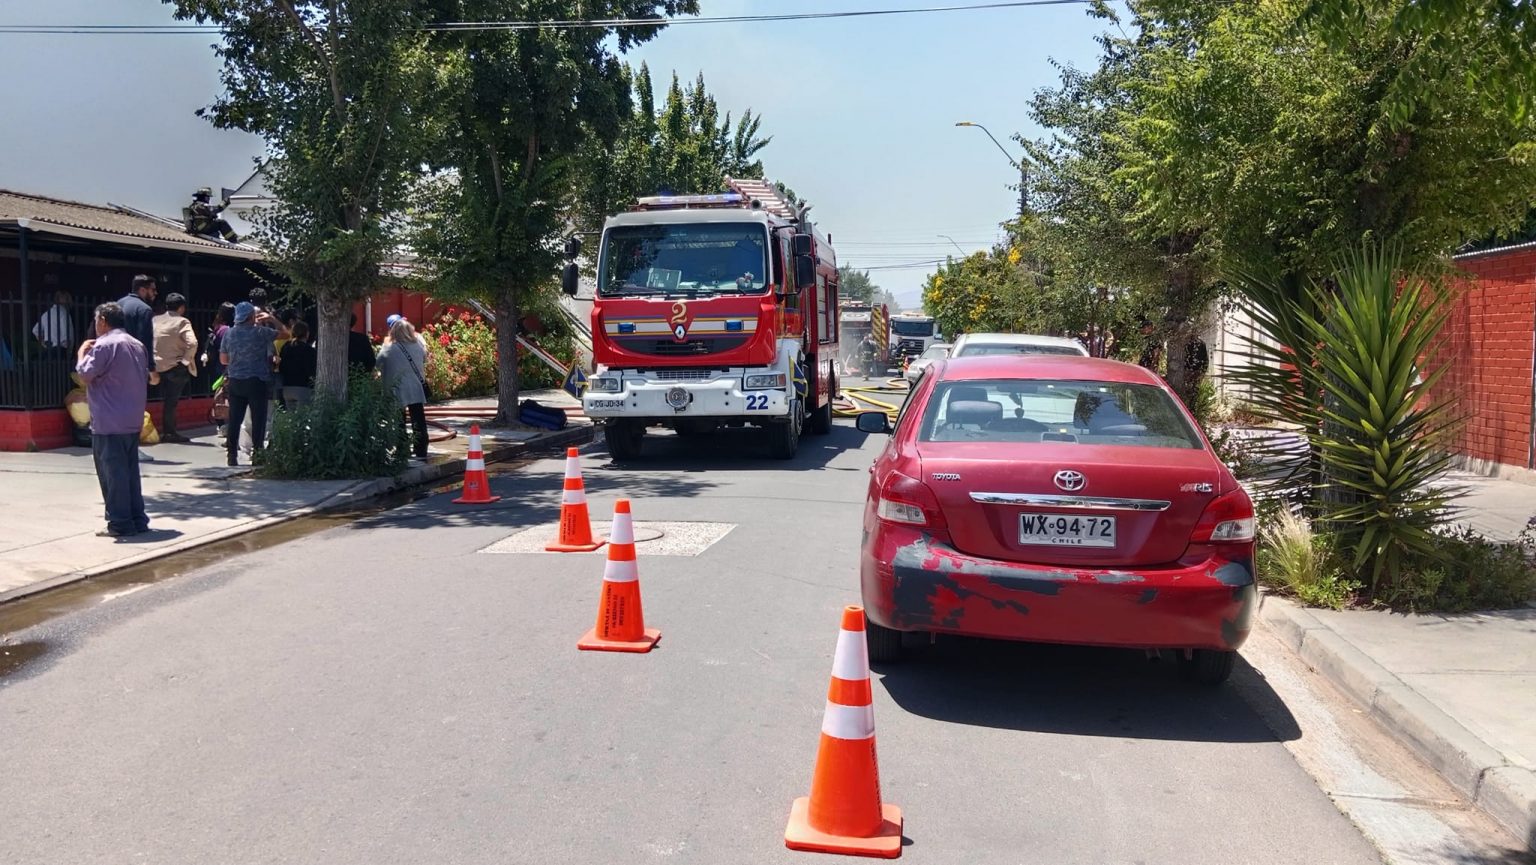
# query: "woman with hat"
[[247, 352]]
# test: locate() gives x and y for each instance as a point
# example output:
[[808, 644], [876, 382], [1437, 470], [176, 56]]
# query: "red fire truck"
[[710, 311]]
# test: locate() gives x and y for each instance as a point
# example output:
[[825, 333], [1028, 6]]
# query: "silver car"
[[937, 351], [973, 344]]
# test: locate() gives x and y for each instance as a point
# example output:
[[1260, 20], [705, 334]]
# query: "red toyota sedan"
[[1058, 500]]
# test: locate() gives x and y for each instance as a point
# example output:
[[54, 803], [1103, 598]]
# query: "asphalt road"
[[384, 693]]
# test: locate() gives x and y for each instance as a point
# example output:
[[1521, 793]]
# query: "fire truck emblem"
[[679, 320]]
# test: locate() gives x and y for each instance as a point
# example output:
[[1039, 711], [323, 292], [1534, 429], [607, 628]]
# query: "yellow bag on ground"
[[79, 411], [148, 435]]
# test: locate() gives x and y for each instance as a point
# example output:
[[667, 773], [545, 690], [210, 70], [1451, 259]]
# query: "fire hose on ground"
[[852, 401]]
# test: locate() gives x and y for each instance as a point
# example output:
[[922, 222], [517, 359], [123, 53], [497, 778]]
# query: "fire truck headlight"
[[764, 381], [604, 384]]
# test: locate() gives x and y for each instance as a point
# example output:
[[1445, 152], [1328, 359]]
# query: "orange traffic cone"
[[844, 813], [620, 619], [477, 487], [575, 524]]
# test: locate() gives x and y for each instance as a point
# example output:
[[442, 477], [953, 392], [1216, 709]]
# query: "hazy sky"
[[861, 110]]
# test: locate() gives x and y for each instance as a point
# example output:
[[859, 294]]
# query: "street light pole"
[[957, 246], [1023, 172]]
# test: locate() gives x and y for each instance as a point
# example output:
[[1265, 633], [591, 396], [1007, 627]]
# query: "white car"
[[937, 351], [978, 344]]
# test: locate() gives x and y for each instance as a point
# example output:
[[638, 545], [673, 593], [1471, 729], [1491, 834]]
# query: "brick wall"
[[1487, 344]]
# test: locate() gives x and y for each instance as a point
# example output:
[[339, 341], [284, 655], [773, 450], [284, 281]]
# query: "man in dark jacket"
[[359, 350], [138, 307]]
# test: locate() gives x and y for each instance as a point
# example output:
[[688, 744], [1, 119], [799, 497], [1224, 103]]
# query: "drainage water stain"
[[35, 609], [14, 656]]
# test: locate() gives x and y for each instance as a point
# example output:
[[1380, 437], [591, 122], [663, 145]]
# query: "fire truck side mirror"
[[805, 271], [802, 244], [569, 278], [572, 247]]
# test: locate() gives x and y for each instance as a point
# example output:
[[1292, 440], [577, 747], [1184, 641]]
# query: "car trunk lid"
[[1116, 506]]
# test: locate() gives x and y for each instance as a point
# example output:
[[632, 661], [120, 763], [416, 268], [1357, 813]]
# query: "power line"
[[569, 24]]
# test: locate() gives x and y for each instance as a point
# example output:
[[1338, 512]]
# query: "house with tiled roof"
[[77, 255]]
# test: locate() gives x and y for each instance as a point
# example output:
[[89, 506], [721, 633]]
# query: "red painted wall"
[[1487, 344], [44, 429]]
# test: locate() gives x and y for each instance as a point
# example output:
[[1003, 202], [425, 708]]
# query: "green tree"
[[337, 90], [1106, 260], [518, 108], [855, 285], [684, 147], [1289, 151]]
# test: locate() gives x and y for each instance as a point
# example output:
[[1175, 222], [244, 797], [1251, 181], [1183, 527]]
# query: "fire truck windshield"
[[702, 258]]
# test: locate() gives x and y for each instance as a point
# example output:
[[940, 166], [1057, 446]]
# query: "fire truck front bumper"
[[666, 400]]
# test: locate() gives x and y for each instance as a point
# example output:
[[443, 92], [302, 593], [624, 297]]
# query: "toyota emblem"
[[1070, 480]]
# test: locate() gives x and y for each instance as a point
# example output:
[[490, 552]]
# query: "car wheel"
[[884, 643], [624, 439], [1208, 666]]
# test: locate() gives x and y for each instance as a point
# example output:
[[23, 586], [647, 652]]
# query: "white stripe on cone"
[[474, 443], [623, 529], [848, 722], [572, 467], [474, 464], [574, 497], [851, 660], [621, 572]]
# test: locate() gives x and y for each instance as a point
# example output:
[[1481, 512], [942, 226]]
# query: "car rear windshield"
[[979, 349], [1027, 411]]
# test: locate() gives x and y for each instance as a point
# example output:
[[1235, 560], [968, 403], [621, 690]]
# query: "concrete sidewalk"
[[1459, 690], [48, 536]]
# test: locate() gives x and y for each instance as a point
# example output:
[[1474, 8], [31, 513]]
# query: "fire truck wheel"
[[624, 438], [821, 418], [784, 438]]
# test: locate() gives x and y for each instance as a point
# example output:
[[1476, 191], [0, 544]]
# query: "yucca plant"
[[1382, 428], [1360, 391]]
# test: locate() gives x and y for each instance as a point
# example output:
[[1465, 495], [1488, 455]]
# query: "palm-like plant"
[[1361, 392]]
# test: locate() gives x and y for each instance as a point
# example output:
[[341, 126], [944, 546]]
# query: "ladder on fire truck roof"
[[767, 194]]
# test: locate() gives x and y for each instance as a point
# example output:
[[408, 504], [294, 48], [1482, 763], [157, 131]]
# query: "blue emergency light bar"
[[718, 200]]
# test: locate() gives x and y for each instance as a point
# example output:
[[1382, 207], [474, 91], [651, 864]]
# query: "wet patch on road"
[[651, 539]]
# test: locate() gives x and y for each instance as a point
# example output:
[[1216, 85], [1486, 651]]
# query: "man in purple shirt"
[[112, 366]]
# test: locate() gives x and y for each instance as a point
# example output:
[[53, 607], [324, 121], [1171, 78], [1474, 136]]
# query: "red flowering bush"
[[462, 356], [461, 346]]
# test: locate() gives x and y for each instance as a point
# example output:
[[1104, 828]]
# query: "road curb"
[[360, 493], [1505, 792]]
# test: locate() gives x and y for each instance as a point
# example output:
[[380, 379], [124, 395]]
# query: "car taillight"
[[907, 500], [1227, 519]]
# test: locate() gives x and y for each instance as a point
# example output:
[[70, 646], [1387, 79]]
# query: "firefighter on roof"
[[203, 217]]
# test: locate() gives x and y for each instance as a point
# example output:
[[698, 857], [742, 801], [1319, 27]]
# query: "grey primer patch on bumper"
[[1233, 574], [1115, 578], [1147, 596], [1234, 631], [917, 587]]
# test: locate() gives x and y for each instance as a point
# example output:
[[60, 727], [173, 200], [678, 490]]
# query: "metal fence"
[[34, 376]]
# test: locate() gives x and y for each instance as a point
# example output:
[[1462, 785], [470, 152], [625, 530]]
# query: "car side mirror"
[[572, 247], [873, 422], [805, 271], [802, 244], [569, 279]]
